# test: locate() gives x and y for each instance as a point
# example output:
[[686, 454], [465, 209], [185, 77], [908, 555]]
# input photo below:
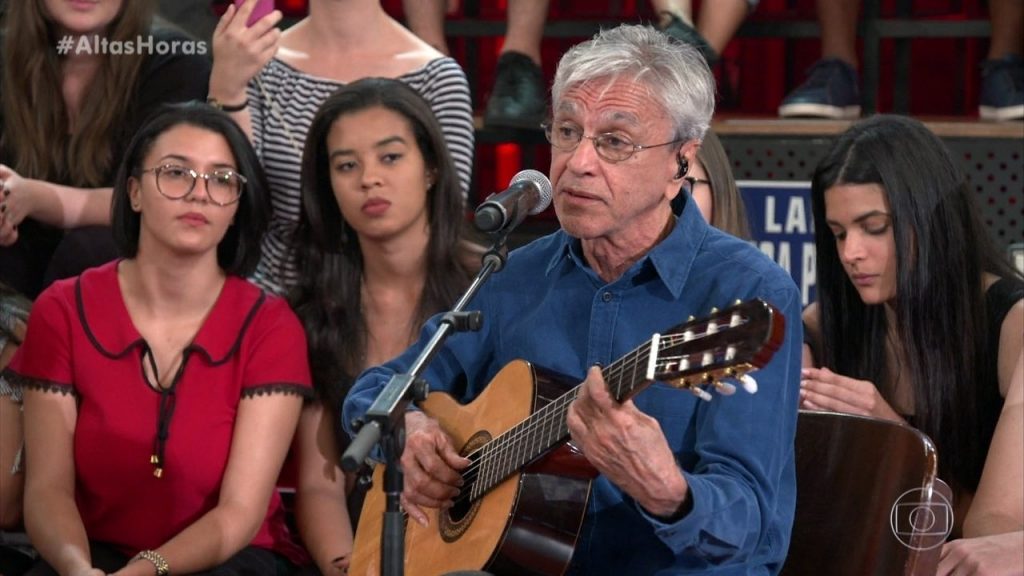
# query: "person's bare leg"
[[426, 19], [526, 20], [831, 89], [682, 9], [838, 21], [719, 20], [1007, 18]]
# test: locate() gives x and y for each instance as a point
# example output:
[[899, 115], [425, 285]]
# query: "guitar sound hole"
[[457, 519], [464, 501], [461, 508]]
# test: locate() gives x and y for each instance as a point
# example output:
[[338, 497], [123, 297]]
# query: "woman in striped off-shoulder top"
[[273, 82]]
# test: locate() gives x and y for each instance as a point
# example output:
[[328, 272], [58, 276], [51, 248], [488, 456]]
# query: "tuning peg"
[[701, 393], [724, 388], [712, 326], [748, 383], [735, 319]]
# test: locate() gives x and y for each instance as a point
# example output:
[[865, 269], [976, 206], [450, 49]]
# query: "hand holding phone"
[[263, 7]]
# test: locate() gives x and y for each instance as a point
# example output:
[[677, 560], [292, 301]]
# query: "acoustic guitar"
[[526, 489]]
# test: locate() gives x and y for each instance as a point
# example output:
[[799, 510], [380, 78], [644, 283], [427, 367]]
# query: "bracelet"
[[162, 568], [227, 107]]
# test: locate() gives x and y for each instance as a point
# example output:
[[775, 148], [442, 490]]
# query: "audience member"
[[65, 120], [832, 91], [680, 479], [709, 182], [919, 316], [13, 316], [15, 554], [517, 99], [161, 391], [717, 23], [274, 97], [380, 249], [994, 541]]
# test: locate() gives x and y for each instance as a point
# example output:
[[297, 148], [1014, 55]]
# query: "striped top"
[[282, 104]]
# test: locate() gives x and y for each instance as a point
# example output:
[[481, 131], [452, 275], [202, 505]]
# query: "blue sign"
[[782, 226]]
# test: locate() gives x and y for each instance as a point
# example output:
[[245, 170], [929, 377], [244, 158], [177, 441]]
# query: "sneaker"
[[830, 91], [1002, 89], [518, 99], [688, 35]]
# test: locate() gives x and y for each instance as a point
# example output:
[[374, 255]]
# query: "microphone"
[[528, 193]]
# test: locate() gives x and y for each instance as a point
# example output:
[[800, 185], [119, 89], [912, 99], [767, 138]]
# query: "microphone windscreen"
[[543, 185]]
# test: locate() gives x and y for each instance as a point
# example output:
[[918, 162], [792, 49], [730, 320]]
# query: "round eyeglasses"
[[223, 187], [611, 147]]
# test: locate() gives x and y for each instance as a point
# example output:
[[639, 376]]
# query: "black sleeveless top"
[[999, 298]]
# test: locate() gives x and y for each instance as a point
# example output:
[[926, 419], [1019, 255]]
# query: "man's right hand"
[[431, 467]]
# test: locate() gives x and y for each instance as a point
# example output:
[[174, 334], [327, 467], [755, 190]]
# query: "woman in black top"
[[919, 320], [77, 80]]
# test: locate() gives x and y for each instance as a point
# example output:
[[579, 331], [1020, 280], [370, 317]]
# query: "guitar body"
[[527, 524]]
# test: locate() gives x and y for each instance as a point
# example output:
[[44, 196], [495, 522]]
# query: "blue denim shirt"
[[549, 307]]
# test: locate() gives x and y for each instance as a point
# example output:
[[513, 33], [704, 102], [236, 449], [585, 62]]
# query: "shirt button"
[[607, 297]]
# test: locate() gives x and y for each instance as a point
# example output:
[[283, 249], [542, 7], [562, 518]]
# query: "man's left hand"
[[627, 446]]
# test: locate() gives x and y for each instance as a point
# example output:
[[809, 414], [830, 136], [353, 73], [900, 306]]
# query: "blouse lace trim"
[[287, 388], [19, 382]]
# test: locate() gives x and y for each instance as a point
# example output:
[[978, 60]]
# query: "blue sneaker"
[[830, 91], [1002, 89]]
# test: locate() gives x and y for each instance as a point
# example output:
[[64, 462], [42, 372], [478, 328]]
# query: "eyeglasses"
[[611, 147], [689, 182], [224, 187]]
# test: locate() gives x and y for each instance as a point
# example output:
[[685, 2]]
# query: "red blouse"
[[81, 341]]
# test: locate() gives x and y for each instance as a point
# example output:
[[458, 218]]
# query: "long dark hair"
[[36, 122], [327, 298], [239, 250], [729, 212], [942, 251]]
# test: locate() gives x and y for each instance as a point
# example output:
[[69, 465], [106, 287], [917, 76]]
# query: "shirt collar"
[[105, 318], [671, 259]]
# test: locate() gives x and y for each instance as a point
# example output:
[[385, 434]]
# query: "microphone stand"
[[384, 422]]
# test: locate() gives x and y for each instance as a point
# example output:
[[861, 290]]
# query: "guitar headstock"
[[704, 353]]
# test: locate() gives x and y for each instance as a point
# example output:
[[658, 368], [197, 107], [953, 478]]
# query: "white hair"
[[675, 73]]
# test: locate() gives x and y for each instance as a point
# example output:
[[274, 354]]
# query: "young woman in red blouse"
[[162, 391]]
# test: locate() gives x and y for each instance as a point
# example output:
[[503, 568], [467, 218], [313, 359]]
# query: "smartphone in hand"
[[263, 7]]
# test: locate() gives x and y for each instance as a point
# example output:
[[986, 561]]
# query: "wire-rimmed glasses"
[[610, 146], [223, 187]]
